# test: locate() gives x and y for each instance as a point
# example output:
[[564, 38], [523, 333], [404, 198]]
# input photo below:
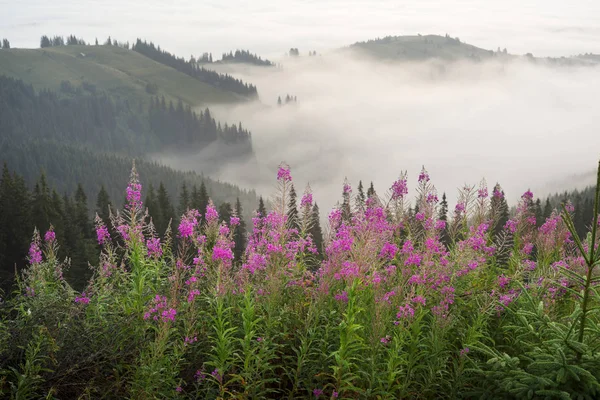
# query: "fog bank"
[[519, 124]]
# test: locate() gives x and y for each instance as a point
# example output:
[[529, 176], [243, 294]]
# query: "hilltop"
[[419, 47], [116, 70], [446, 48]]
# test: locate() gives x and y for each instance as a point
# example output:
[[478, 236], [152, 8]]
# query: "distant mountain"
[[426, 47], [421, 47]]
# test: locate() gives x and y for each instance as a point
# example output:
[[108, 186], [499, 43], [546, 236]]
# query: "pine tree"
[[81, 212], [225, 212], [45, 42], [346, 207], [262, 211], [41, 211], [240, 233], [15, 224], [360, 197], [184, 200], [202, 201], [315, 230], [443, 216], [539, 213], [5, 44], [547, 209], [167, 210], [293, 220], [371, 191], [154, 209], [499, 211], [104, 206]]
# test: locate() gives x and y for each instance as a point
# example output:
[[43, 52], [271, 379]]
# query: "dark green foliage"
[[292, 210], [5, 44], [262, 210], [371, 191], [225, 212], [184, 200], [240, 234], [315, 230], [443, 216], [104, 206], [192, 69], [200, 199], [244, 56], [167, 211], [88, 117], [360, 197]]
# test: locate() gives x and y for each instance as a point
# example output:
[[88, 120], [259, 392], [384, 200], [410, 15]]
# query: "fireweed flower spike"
[[283, 173], [134, 191], [35, 252]]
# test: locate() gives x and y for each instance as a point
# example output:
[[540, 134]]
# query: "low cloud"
[[520, 124]]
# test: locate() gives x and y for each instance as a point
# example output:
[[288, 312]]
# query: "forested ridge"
[[194, 70], [85, 115]]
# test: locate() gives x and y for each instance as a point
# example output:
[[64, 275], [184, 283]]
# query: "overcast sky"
[[270, 27]]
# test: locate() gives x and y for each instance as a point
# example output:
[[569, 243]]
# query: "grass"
[[113, 69], [421, 47]]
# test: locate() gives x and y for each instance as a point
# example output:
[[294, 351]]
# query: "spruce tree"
[[547, 209], [184, 200], [167, 210], [202, 200], [539, 213], [81, 212], [371, 191], [315, 230], [360, 197], [262, 210], [240, 233], [499, 211], [293, 221], [104, 206], [346, 207], [151, 203], [41, 205], [225, 212], [443, 216]]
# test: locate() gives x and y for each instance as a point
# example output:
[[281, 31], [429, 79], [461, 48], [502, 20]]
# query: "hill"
[[114, 69], [446, 48], [420, 47]]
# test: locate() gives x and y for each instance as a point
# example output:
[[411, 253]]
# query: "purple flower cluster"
[[283, 173], [399, 189], [35, 253], [154, 248], [50, 236], [160, 310], [82, 299]]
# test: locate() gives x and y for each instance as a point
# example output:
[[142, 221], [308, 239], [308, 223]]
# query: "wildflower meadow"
[[401, 302]]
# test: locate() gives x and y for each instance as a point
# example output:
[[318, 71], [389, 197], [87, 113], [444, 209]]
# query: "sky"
[[271, 27]]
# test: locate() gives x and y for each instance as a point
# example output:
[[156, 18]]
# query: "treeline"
[[85, 116], [582, 200], [191, 68], [72, 217], [288, 99], [5, 44], [180, 125], [67, 165], [47, 41], [244, 56]]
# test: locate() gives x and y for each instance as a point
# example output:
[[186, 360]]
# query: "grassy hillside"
[[110, 68], [421, 47]]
